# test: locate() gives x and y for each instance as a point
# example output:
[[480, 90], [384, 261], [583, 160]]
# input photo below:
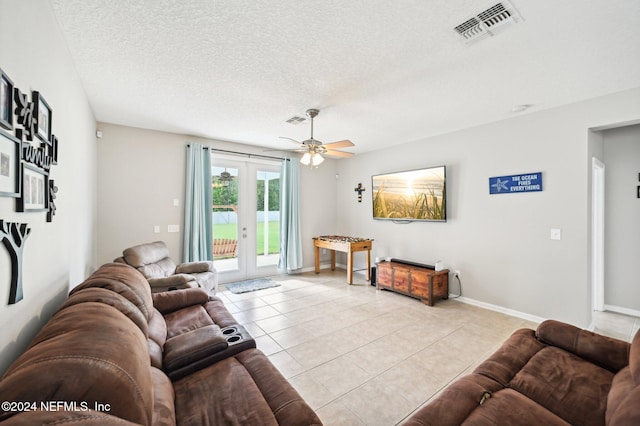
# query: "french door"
[[246, 218]]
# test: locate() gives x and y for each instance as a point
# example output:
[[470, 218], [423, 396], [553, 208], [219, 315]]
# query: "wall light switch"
[[156, 229], [556, 234], [173, 228], [176, 202]]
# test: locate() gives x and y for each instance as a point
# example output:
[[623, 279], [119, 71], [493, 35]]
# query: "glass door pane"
[[226, 222], [267, 218]]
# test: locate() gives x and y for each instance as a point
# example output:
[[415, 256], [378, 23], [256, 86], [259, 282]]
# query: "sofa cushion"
[[248, 390], [160, 269], [157, 337], [565, 384], [164, 411], [108, 297], [170, 301], [512, 355], [145, 254], [622, 403], [57, 418], [508, 407], [124, 280], [186, 319], [89, 353], [607, 352], [194, 267], [219, 313]]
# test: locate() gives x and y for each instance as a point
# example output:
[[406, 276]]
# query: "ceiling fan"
[[314, 149]]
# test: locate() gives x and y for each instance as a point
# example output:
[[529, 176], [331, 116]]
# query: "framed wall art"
[[43, 115], [6, 101], [35, 188], [10, 159]]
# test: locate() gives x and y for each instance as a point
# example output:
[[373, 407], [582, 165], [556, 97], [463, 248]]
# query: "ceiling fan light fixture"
[[316, 160], [306, 159]]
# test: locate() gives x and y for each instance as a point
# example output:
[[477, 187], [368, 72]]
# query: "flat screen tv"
[[413, 195]]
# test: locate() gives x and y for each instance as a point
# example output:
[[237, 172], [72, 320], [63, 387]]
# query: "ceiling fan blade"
[[292, 140], [286, 150], [340, 144], [334, 153]]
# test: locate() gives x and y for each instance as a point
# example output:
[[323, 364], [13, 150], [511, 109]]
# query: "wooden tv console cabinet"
[[413, 280]]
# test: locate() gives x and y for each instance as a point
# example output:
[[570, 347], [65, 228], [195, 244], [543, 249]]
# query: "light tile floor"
[[360, 356], [616, 325]]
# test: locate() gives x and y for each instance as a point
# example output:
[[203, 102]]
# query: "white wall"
[[622, 216], [500, 243], [57, 255], [142, 171]]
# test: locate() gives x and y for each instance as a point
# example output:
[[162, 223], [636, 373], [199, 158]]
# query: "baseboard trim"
[[497, 308], [621, 310]]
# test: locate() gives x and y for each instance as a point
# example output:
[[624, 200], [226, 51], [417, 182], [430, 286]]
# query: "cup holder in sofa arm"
[[204, 348]]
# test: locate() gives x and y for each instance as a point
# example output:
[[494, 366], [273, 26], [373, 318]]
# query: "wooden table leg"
[[350, 267], [368, 265], [317, 256]]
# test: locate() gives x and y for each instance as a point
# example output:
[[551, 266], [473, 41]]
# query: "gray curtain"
[[290, 229], [198, 205]]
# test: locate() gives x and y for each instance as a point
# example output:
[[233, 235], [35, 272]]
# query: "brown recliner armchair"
[[163, 274]]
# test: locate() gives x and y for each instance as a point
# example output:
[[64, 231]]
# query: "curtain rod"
[[243, 153]]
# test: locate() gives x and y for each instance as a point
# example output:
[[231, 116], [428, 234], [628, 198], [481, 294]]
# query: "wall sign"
[[529, 182]]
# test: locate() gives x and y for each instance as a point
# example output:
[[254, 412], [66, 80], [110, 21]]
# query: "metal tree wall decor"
[[13, 237]]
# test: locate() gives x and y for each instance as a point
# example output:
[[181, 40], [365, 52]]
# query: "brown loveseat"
[[107, 355], [557, 375], [163, 274]]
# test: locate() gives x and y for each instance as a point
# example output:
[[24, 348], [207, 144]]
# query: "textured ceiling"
[[381, 72]]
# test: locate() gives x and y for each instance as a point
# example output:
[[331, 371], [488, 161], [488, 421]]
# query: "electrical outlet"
[[456, 273]]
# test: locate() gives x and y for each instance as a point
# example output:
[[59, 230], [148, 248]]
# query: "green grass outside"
[[230, 231]]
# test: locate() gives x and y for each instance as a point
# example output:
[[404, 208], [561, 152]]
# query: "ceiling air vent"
[[488, 22], [295, 120]]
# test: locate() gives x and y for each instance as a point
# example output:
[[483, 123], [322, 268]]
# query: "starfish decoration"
[[500, 185]]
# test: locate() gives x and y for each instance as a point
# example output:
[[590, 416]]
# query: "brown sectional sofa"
[[116, 354], [556, 375]]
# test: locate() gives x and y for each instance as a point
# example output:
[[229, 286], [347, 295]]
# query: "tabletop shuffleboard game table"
[[347, 245]]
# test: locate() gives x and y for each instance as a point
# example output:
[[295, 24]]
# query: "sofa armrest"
[[177, 281], [194, 267], [170, 301], [607, 352], [187, 348]]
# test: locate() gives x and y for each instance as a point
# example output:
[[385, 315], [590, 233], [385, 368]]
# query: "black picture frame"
[[43, 115], [6, 101], [10, 165], [35, 190]]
